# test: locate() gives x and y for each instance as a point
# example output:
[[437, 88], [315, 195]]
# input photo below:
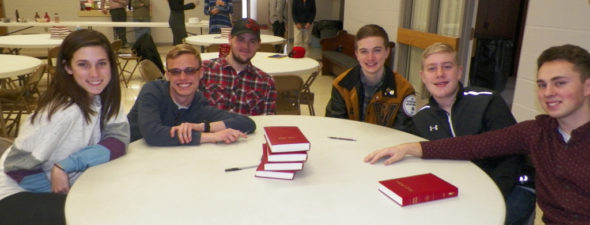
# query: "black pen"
[[341, 138], [240, 168]]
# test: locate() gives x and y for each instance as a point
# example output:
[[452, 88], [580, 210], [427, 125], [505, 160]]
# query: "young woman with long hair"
[[77, 124]]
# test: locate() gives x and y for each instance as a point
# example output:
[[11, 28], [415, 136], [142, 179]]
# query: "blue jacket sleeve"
[[93, 155], [114, 141], [206, 7], [90, 156], [31, 180]]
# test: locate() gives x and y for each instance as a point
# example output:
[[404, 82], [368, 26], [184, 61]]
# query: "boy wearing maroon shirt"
[[556, 142]]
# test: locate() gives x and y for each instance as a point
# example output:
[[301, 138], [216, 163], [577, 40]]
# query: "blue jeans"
[[520, 205]]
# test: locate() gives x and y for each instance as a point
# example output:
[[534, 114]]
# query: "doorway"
[[2, 29], [497, 41], [463, 22], [426, 22]]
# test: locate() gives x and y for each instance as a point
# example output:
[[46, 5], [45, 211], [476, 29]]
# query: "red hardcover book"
[[285, 175], [262, 172], [417, 189], [278, 165], [300, 156], [286, 139]]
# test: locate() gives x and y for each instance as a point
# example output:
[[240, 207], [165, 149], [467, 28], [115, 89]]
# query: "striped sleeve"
[[33, 147], [114, 141]]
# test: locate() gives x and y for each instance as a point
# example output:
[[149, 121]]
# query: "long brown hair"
[[63, 90]]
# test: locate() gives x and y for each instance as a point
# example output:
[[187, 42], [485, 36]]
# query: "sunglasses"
[[187, 71]]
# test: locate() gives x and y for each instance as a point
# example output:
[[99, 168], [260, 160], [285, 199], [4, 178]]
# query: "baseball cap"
[[246, 26], [297, 52]]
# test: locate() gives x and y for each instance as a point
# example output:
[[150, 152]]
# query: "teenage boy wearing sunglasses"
[[172, 112]]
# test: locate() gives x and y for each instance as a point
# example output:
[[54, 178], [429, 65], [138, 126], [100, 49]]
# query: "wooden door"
[[2, 15]]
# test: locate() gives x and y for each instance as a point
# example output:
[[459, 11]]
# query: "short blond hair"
[[439, 47], [181, 49]]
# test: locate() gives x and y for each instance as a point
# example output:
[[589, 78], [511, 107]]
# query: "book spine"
[[428, 197]]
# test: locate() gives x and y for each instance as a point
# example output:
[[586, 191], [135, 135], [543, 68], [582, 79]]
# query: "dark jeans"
[[139, 31], [278, 29], [33, 208], [520, 205], [176, 22], [119, 15]]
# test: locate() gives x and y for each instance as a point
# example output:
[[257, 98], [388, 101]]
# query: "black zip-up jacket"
[[303, 12], [476, 110]]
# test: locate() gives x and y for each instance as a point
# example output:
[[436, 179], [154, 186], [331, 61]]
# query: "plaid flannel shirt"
[[250, 92]]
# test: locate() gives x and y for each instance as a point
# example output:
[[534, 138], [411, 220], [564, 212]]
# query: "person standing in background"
[[176, 20], [141, 13], [219, 12], [303, 12], [118, 14], [277, 17]]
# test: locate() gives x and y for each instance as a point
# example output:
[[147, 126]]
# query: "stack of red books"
[[284, 152]]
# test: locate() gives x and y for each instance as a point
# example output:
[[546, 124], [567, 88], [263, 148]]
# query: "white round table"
[[277, 66], [15, 65], [17, 42], [188, 185], [91, 24], [212, 39]]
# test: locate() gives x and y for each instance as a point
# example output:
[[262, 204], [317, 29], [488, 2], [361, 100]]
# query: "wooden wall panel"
[[422, 39], [2, 15]]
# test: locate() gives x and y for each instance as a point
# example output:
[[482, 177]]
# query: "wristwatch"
[[207, 126]]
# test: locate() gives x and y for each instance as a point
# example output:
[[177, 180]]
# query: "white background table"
[[277, 66], [188, 185], [17, 42], [212, 39], [90, 24], [15, 65]]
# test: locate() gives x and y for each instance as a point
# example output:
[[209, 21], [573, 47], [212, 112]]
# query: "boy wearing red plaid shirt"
[[232, 83]]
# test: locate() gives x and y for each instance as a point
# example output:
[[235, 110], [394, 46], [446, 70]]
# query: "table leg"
[[3, 132], [14, 51]]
